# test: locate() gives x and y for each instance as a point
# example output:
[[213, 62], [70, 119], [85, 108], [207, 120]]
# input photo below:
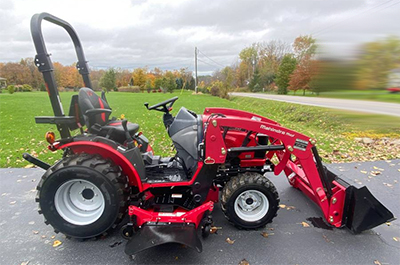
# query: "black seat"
[[96, 113]]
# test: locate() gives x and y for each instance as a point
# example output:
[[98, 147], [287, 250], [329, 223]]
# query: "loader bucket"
[[154, 235], [362, 211]]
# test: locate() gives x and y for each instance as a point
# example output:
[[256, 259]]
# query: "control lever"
[[129, 139]]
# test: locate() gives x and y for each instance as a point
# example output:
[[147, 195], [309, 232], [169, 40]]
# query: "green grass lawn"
[[373, 95], [334, 130]]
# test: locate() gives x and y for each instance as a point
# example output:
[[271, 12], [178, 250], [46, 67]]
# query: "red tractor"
[[109, 169]]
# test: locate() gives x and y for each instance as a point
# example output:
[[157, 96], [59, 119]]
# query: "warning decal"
[[300, 144]]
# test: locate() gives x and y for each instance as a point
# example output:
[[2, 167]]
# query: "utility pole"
[[195, 68]]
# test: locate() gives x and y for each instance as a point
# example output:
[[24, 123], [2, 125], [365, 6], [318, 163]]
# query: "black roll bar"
[[45, 66]]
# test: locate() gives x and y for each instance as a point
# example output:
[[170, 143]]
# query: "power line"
[[344, 20], [211, 59], [207, 63]]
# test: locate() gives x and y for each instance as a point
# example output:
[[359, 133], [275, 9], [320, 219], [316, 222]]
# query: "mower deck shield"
[[362, 211], [151, 235]]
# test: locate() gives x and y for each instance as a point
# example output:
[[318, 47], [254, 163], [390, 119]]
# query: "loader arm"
[[340, 203]]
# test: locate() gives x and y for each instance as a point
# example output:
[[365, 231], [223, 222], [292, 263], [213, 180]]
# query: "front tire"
[[83, 196], [250, 200]]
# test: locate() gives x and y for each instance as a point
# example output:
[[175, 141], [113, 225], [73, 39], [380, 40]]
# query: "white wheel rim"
[[251, 205], [79, 202]]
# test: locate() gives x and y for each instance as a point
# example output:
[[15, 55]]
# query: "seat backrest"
[[90, 100]]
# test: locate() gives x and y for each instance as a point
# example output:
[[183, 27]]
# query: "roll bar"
[[45, 66]]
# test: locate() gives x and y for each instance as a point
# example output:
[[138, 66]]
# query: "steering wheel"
[[164, 106]]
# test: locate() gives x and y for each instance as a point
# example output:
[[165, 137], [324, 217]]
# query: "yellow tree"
[[139, 77]]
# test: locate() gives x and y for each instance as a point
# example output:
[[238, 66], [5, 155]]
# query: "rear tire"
[[250, 201], [83, 196]]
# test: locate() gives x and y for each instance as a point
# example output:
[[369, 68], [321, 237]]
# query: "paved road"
[[392, 109], [24, 236]]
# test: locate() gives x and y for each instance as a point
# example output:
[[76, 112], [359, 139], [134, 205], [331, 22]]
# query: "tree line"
[[263, 66], [281, 67]]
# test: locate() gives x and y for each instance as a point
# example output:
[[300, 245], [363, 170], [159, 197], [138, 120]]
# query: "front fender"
[[106, 151]]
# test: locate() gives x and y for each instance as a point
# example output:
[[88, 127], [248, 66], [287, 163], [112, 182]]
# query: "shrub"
[[203, 90], [42, 87], [242, 89], [214, 91], [133, 89], [26, 88], [11, 89]]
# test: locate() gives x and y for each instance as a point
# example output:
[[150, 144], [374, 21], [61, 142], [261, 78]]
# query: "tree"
[[108, 80], [375, 62], [332, 75], [16, 73], [304, 50], [304, 46], [169, 81], [254, 84], [139, 77], [302, 75], [249, 56], [285, 70], [122, 77], [270, 56]]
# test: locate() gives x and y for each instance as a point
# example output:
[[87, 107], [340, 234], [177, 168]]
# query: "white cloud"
[[134, 33]]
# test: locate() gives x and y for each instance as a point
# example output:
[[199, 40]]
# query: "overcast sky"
[[163, 33]]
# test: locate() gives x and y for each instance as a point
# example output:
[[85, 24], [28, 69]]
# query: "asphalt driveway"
[[25, 238]]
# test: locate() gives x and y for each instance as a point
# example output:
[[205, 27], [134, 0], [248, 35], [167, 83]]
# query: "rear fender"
[[106, 151]]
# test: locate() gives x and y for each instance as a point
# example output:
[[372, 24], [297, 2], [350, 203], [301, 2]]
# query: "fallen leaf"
[[290, 207], [264, 234], [244, 262], [326, 238], [376, 262], [229, 241], [35, 232], [282, 206], [214, 229], [43, 236], [304, 224], [19, 180], [396, 239], [52, 237], [363, 171], [13, 202], [388, 223], [31, 222], [25, 262], [375, 173], [28, 166], [56, 243]]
